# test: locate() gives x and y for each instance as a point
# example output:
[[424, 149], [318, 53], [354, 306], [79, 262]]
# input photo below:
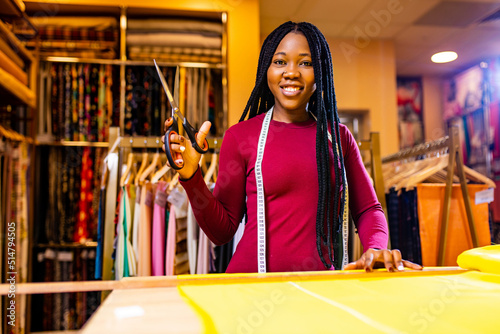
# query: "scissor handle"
[[174, 128], [191, 132]]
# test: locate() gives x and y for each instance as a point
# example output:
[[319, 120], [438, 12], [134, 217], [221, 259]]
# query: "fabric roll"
[[158, 236], [77, 22], [85, 199], [94, 99], [74, 102], [100, 234], [174, 25], [11, 67], [82, 133], [54, 98], [85, 121], [170, 50], [10, 53], [175, 39], [44, 111], [101, 104], [67, 102], [60, 116]]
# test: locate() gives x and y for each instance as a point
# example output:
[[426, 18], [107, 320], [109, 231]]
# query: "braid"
[[323, 105]]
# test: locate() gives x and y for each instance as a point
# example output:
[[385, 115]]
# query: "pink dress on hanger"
[[144, 240], [158, 237]]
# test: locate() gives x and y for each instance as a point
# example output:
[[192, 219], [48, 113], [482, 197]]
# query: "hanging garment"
[[109, 225], [393, 218], [409, 226], [181, 262], [202, 263], [144, 240], [125, 263], [193, 231], [177, 250], [158, 236], [137, 220], [170, 248]]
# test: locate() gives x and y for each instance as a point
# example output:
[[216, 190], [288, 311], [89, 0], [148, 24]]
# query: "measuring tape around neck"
[[261, 213]]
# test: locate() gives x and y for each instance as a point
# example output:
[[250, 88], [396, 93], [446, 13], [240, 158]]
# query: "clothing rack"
[[155, 142], [452, 143], [121, 143]]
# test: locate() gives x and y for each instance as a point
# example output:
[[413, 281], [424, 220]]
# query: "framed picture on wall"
[[410, 119]]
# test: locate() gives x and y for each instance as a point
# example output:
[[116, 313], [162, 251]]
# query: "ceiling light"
[[444, 57]]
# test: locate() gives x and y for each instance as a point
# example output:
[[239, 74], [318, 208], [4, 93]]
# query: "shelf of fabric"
[[12, 7], [11, 85], [130, 62], [16, 9], [89, 244], [72, 143], [91, 49], [20, 48]]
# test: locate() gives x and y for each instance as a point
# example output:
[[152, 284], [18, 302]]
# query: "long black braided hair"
[[323, 105]]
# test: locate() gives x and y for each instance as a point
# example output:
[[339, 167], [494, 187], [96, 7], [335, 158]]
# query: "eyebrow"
[[300, 54]]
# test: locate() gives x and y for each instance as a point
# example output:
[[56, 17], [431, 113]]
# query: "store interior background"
[[373, 42]]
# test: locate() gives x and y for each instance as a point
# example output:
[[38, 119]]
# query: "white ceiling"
[[418, 28]]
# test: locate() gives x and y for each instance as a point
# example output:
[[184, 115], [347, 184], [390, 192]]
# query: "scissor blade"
[[175, 108]]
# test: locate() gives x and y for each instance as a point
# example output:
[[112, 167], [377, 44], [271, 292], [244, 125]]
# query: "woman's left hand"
[[390, 259]]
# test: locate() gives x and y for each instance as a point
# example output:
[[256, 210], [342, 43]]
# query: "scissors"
[[174, 128]]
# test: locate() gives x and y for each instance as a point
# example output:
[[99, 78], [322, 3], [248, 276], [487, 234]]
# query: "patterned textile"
[[85, 203], [64, 311], [80, 101]]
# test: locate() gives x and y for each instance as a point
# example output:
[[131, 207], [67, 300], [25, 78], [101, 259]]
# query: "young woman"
[[286, 167]]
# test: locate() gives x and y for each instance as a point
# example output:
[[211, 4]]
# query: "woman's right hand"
[[183, 151]]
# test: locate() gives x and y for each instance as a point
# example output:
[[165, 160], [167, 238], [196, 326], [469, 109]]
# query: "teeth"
[[291, 89]]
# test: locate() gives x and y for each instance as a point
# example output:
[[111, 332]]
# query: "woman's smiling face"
[[290, 76]]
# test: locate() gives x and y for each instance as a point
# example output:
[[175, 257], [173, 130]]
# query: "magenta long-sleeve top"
[[289, 170]]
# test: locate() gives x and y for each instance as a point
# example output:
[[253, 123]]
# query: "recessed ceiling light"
[[444, 57]]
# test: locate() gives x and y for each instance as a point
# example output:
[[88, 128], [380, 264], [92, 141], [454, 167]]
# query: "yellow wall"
[[366, 79], [243, 39]]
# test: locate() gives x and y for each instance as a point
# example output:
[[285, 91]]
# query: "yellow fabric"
[[485, 259], [395, 303]]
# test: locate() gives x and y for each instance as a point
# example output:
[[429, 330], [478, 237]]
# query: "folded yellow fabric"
[[485, 259]]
